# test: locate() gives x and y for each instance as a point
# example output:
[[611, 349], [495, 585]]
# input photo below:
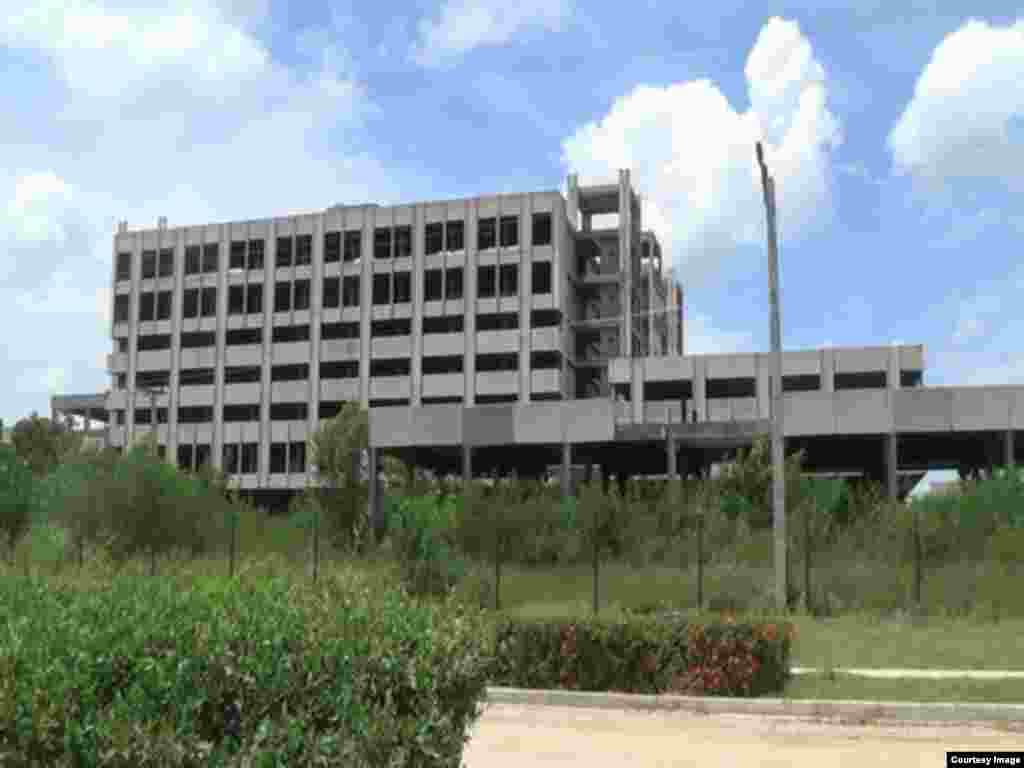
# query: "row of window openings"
[[244, 458], [345, 369], [388, 242], [501, 321], [387, 289], [716, 389]]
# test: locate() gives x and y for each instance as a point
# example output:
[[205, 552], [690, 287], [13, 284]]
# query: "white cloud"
[[218, 131], [692, 152], [35, 212], [960, 121], [102, 52], [467, 24]]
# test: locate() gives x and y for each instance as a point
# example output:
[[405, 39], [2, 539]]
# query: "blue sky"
[[895, 132]]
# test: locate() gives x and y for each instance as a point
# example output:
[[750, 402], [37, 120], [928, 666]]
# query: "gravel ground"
[[508, 736]]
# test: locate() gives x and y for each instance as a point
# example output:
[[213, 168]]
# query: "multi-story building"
[[253, 331], [525, 329]]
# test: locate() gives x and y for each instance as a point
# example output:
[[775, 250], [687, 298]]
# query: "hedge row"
[[146, 674], [644, 655]]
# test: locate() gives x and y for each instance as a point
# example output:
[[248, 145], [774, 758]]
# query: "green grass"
[[847, 687], [931, 643]]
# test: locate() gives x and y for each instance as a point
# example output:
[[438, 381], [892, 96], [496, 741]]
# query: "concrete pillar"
[[566, 480], [636, 389], [700, 389], [315, 319], [366, 302], [469, 292], [1008, 453], [467, 466], [893, 374], [891, 466], [828, 371], [572, 199], [526, 297], [670, 449], [373, 501], [177, 242], [223, 258], [269, 278]]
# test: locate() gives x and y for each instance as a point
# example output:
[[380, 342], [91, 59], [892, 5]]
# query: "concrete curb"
[[920, 674], [861, 712]]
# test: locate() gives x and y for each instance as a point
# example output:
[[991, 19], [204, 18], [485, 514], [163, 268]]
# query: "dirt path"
[[511, 736]]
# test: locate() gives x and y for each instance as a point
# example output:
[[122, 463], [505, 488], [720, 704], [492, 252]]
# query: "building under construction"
[[490, 334]]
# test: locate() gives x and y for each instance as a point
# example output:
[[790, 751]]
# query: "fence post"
[[918, 556], [700, 556], [232, 544], [497, 557], [316, 541], [596, 557]]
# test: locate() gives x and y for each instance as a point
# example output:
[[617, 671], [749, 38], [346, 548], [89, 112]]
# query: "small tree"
[[16, 488], [43, 443], [336, 449]]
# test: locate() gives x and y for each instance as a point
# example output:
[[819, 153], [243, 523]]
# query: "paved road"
[[511, 736]]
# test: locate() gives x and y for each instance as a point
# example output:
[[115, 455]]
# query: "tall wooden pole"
[[778, 451]]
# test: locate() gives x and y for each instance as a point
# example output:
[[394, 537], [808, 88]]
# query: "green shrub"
[[422, 530], [145, 673], [644, 654]]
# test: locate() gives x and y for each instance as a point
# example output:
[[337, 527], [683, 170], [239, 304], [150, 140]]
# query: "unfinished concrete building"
[[490, 334]]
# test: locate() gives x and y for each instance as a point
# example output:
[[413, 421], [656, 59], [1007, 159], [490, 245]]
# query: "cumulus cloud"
[[37, 209], [692, 152], [963, 119], [467, 24], [182, 113]]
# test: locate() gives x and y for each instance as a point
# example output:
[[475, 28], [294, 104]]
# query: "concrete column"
[[316, 303], [525, 295], [269, 278], [469, 292], [700, 388], [572, 200], [828, 371], [467, 466], [763, 372], [366, 303], [373, 506], [891, 466], [626, 260], [223, 258], [566, 480], [673, 472], [893, 374], [133, 340], [416, 277], [1008, 452], [636, 389], [177, 300]]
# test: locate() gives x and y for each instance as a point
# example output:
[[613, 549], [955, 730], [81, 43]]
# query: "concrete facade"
[[512, 331], [252, 332]]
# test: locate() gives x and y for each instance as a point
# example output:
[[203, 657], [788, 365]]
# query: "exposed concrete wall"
[[579, 421]]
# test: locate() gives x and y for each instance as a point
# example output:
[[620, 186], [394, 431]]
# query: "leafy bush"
[[16, 496], [145, 673], [422, 529], [645, 654]]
